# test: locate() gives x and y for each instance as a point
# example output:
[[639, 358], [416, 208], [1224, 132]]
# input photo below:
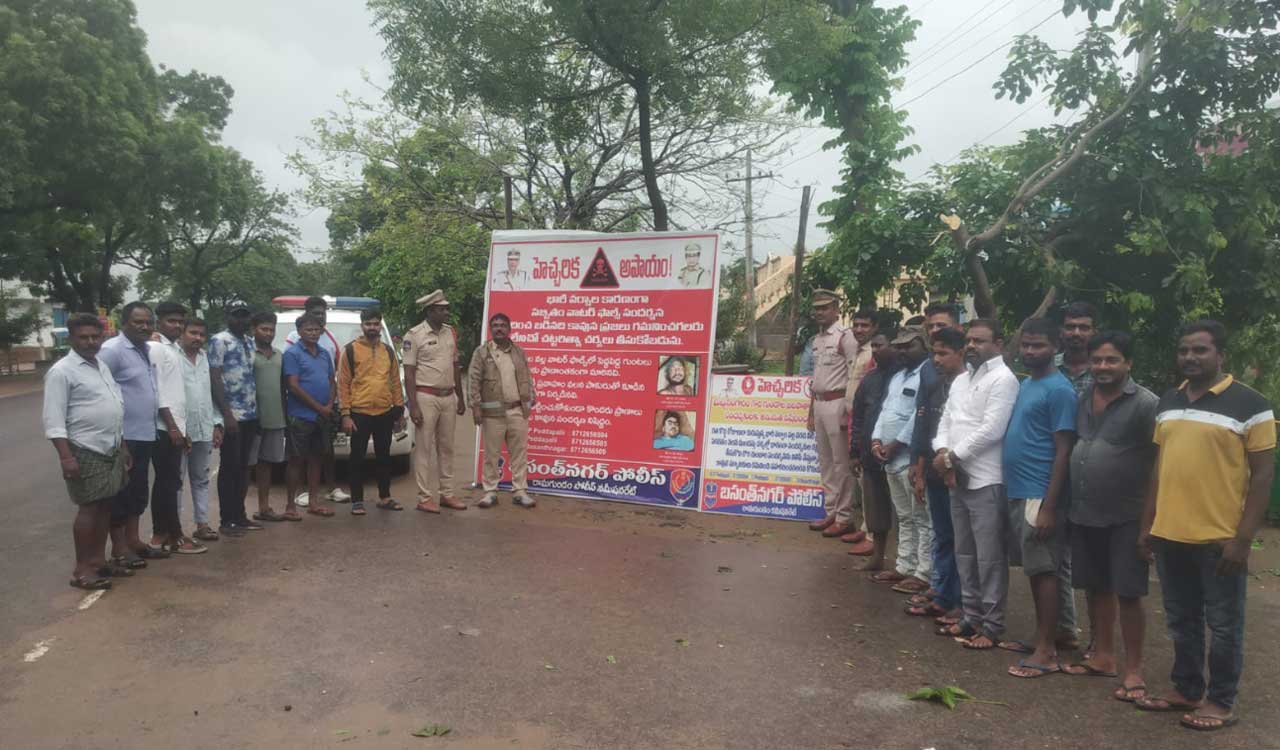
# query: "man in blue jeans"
[[943, 601], [1216, 440]]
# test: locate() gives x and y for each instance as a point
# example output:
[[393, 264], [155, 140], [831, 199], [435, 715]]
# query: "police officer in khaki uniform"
[[434, 371], [835, 354]]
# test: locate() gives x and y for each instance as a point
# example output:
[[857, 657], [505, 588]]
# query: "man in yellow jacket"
[[502, 394], [372, 406]]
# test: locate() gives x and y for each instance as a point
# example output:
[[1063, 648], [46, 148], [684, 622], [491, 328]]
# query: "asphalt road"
[[577, 625], [36, 538]]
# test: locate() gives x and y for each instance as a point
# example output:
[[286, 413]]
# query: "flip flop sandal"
[[1017, 647], [886, 577], [1152, 704], [1126, 694], [132, 563], [969, 643], [113, 570], [946, 620], [90, 584], [424, 508], [956, 631], [357, 509], [291, 516], [920, 600], [269, 515], [928, 610], [322, 512], [909, 586], [206, 535], [151, 553], [1039, 670], [1085, 669], [389, 505], [1222, 722]]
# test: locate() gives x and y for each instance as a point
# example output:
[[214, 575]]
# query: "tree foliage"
[[609, 114], [1130, 205], [18, 321], [105, 160]]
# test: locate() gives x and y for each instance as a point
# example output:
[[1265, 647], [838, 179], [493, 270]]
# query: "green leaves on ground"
[[432, 730], [949, 696], [682, 642], [611, 659]]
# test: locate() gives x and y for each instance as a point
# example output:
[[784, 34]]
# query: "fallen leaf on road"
[[683, 642], [432, 730], [551, 667], [724, 569], [948, 696], [850, 665], [611, 659], [342, 731], [472, 632], [664, 554]]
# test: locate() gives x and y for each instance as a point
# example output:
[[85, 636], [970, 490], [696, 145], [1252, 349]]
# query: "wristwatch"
[[946, 459]]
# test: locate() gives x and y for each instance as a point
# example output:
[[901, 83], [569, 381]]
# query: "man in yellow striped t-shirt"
[[1216, 440]]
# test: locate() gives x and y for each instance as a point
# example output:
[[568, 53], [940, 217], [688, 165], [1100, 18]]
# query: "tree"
[[18, 322], [416, 216], [1131, 206], [77, 98], [106, 161], [594, 106], [212, 212], [1199, 67]]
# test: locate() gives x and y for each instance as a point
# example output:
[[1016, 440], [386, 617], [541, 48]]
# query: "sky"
[[289, 61]]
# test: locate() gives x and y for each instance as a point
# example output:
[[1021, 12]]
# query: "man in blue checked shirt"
[[236, 396]]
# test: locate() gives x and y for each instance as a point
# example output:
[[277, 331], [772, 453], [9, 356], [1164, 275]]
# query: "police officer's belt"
[[433, 390], [828, 395], [500, 404]]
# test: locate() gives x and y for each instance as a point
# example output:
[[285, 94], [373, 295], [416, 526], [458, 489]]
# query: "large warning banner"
[[619, 330], [761, 458]]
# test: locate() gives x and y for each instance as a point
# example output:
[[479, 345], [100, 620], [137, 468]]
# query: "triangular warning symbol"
[[599, 273]]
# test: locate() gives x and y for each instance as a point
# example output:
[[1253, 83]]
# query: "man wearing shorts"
[[309, 380], [267, 448], [1037, 455], [1110, 471], [84, 419]]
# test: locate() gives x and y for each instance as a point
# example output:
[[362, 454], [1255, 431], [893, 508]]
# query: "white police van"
[[343, 323]]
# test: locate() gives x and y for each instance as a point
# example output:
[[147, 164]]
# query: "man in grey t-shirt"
[[1110, 469]]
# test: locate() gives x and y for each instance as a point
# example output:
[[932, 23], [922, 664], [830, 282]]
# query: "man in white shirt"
[[84, 419], [171, 444], [968, 455], [204, 424]]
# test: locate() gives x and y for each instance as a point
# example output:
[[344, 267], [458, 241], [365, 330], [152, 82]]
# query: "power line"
[[977, 42], [973, 64], [956, 33], [998, 130]]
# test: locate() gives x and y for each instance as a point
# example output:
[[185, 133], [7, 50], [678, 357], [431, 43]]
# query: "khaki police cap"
[[824, 297], [513, 253], [435, 298], [909, 334]]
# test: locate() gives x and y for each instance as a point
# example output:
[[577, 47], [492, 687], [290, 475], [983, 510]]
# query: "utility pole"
[[506, 187], [750, 257], [795, 284]]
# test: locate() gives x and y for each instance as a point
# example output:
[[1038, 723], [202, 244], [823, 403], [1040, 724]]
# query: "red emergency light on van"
[[335, 303]]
